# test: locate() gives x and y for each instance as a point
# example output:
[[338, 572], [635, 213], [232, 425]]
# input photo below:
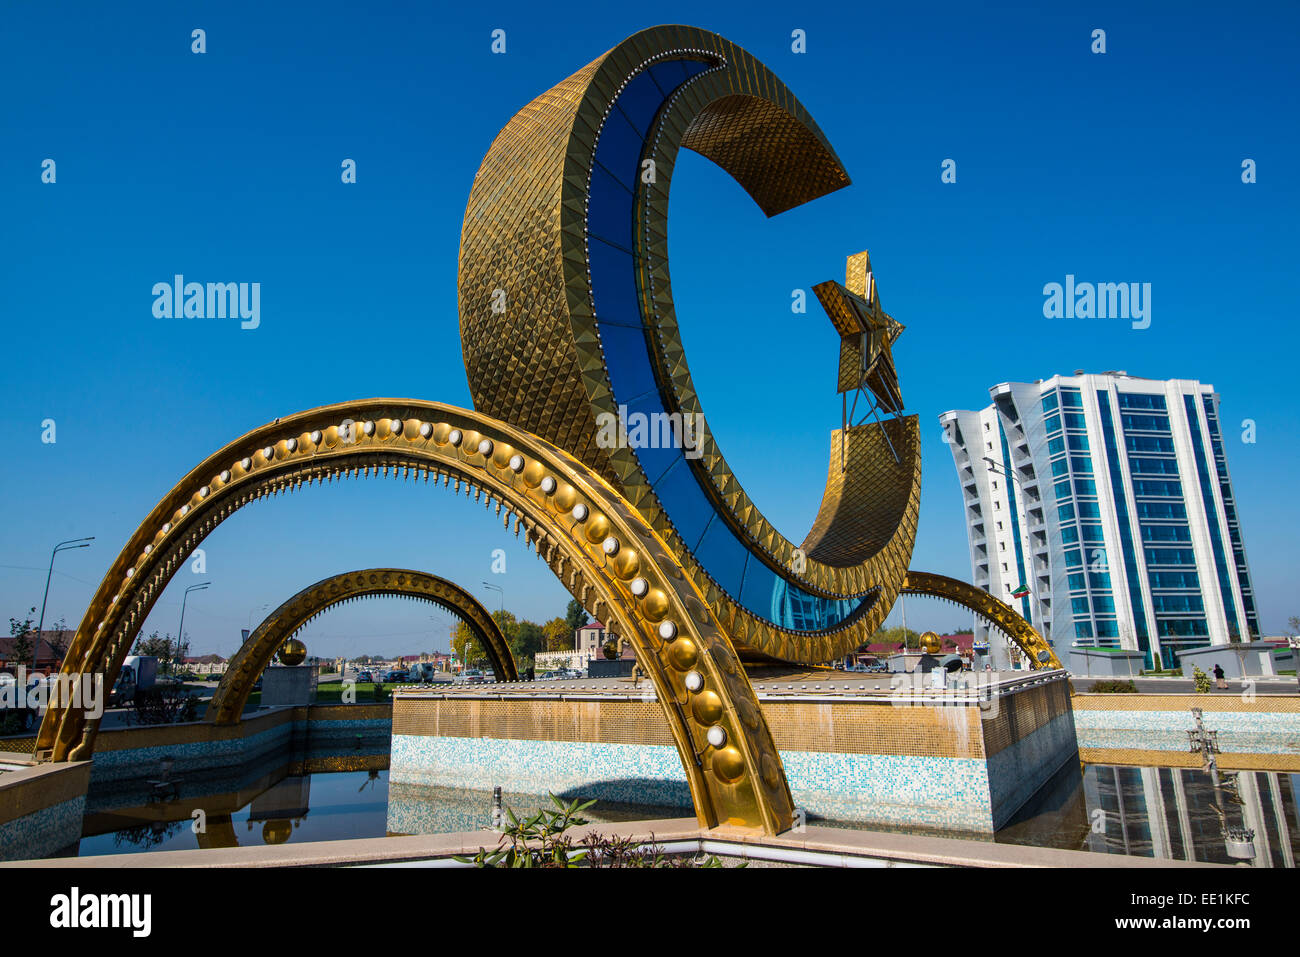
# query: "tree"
[[559, 636], [1293, 625], [575, 615], [527, 642], [168, 652], [19, 630], [896, 637], [58, 641], [466, 647]]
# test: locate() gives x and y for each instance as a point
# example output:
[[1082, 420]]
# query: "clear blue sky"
[[225, 167]]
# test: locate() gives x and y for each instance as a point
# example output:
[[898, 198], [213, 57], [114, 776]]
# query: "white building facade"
[[1101, 508]]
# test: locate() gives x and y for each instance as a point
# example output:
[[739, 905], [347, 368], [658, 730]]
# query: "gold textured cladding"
[[255, 653], [1021, 714], [1226, 761], [864, 506], [1262, 703], [615, 722], [992, 610], [874, 727], [597, 543], [533, 354]]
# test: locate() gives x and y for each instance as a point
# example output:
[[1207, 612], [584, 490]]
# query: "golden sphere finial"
[[293, 652]]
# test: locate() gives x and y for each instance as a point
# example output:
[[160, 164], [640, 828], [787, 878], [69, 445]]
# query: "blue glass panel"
[[640, 101], [656, 461], [723, 555], [619, 148], [613, 284], [629, 366], [760, 583], [684, 500], [609, 216]]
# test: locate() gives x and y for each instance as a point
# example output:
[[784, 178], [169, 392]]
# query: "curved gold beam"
[[993, 610], [535, 338], [599, 545], [227, 705]]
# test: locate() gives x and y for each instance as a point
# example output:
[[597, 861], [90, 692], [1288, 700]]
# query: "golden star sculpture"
[[866, 331]]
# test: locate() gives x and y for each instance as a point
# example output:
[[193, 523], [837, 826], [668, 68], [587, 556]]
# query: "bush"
[[1201, 680], [164, 704], [16, 721], [540, 841], [1114, 686]]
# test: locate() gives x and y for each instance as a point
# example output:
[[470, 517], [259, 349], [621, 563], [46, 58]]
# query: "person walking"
[[1220, 679]]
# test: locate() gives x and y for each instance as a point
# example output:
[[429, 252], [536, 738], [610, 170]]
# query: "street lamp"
[[499, 589], [254, 611], [61, 547], [180, 632]]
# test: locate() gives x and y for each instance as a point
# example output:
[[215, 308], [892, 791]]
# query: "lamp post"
[[40, 628], [499, 589], [180, 631]]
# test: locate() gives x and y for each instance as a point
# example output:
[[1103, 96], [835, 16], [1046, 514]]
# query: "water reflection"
[[1174, 813]]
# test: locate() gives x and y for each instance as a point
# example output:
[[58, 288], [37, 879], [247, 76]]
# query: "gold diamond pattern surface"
[[533, 349]]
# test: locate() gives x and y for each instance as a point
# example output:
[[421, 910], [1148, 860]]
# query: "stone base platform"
[[876, 749]]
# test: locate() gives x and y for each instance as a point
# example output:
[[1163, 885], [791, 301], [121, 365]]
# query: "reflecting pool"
[[1174, 813]]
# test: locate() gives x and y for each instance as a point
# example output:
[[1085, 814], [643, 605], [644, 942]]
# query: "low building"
[[49, 656], [205, 665]]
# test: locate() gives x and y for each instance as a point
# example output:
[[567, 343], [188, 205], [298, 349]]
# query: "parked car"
[[365, 676]]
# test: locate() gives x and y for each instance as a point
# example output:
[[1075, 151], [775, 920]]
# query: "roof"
[[46, 654]]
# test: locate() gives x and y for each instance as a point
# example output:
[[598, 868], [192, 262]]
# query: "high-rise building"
[[1100, 507]]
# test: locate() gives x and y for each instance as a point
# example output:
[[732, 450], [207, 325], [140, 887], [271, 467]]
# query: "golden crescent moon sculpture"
[[567, 319]]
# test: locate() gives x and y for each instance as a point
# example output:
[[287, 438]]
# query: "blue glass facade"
[[1131, 572], [1166, 535], [619, 302], [1230, 513], [1015, 526], [1212, 520], [1092, 601]]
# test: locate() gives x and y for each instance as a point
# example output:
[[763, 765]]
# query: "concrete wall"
[[952, 768], [1258, 735], [41, 808]]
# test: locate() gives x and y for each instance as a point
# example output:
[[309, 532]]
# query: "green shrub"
[[1114, 686], [1201, 680], [541, 841]]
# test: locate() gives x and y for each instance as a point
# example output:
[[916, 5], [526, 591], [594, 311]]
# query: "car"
[[123, 690], [365, 676], [396, 676]]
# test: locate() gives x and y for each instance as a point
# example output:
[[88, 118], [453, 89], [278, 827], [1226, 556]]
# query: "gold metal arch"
[[533, 345], [227, 705], [596, 542], [992, 610]]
